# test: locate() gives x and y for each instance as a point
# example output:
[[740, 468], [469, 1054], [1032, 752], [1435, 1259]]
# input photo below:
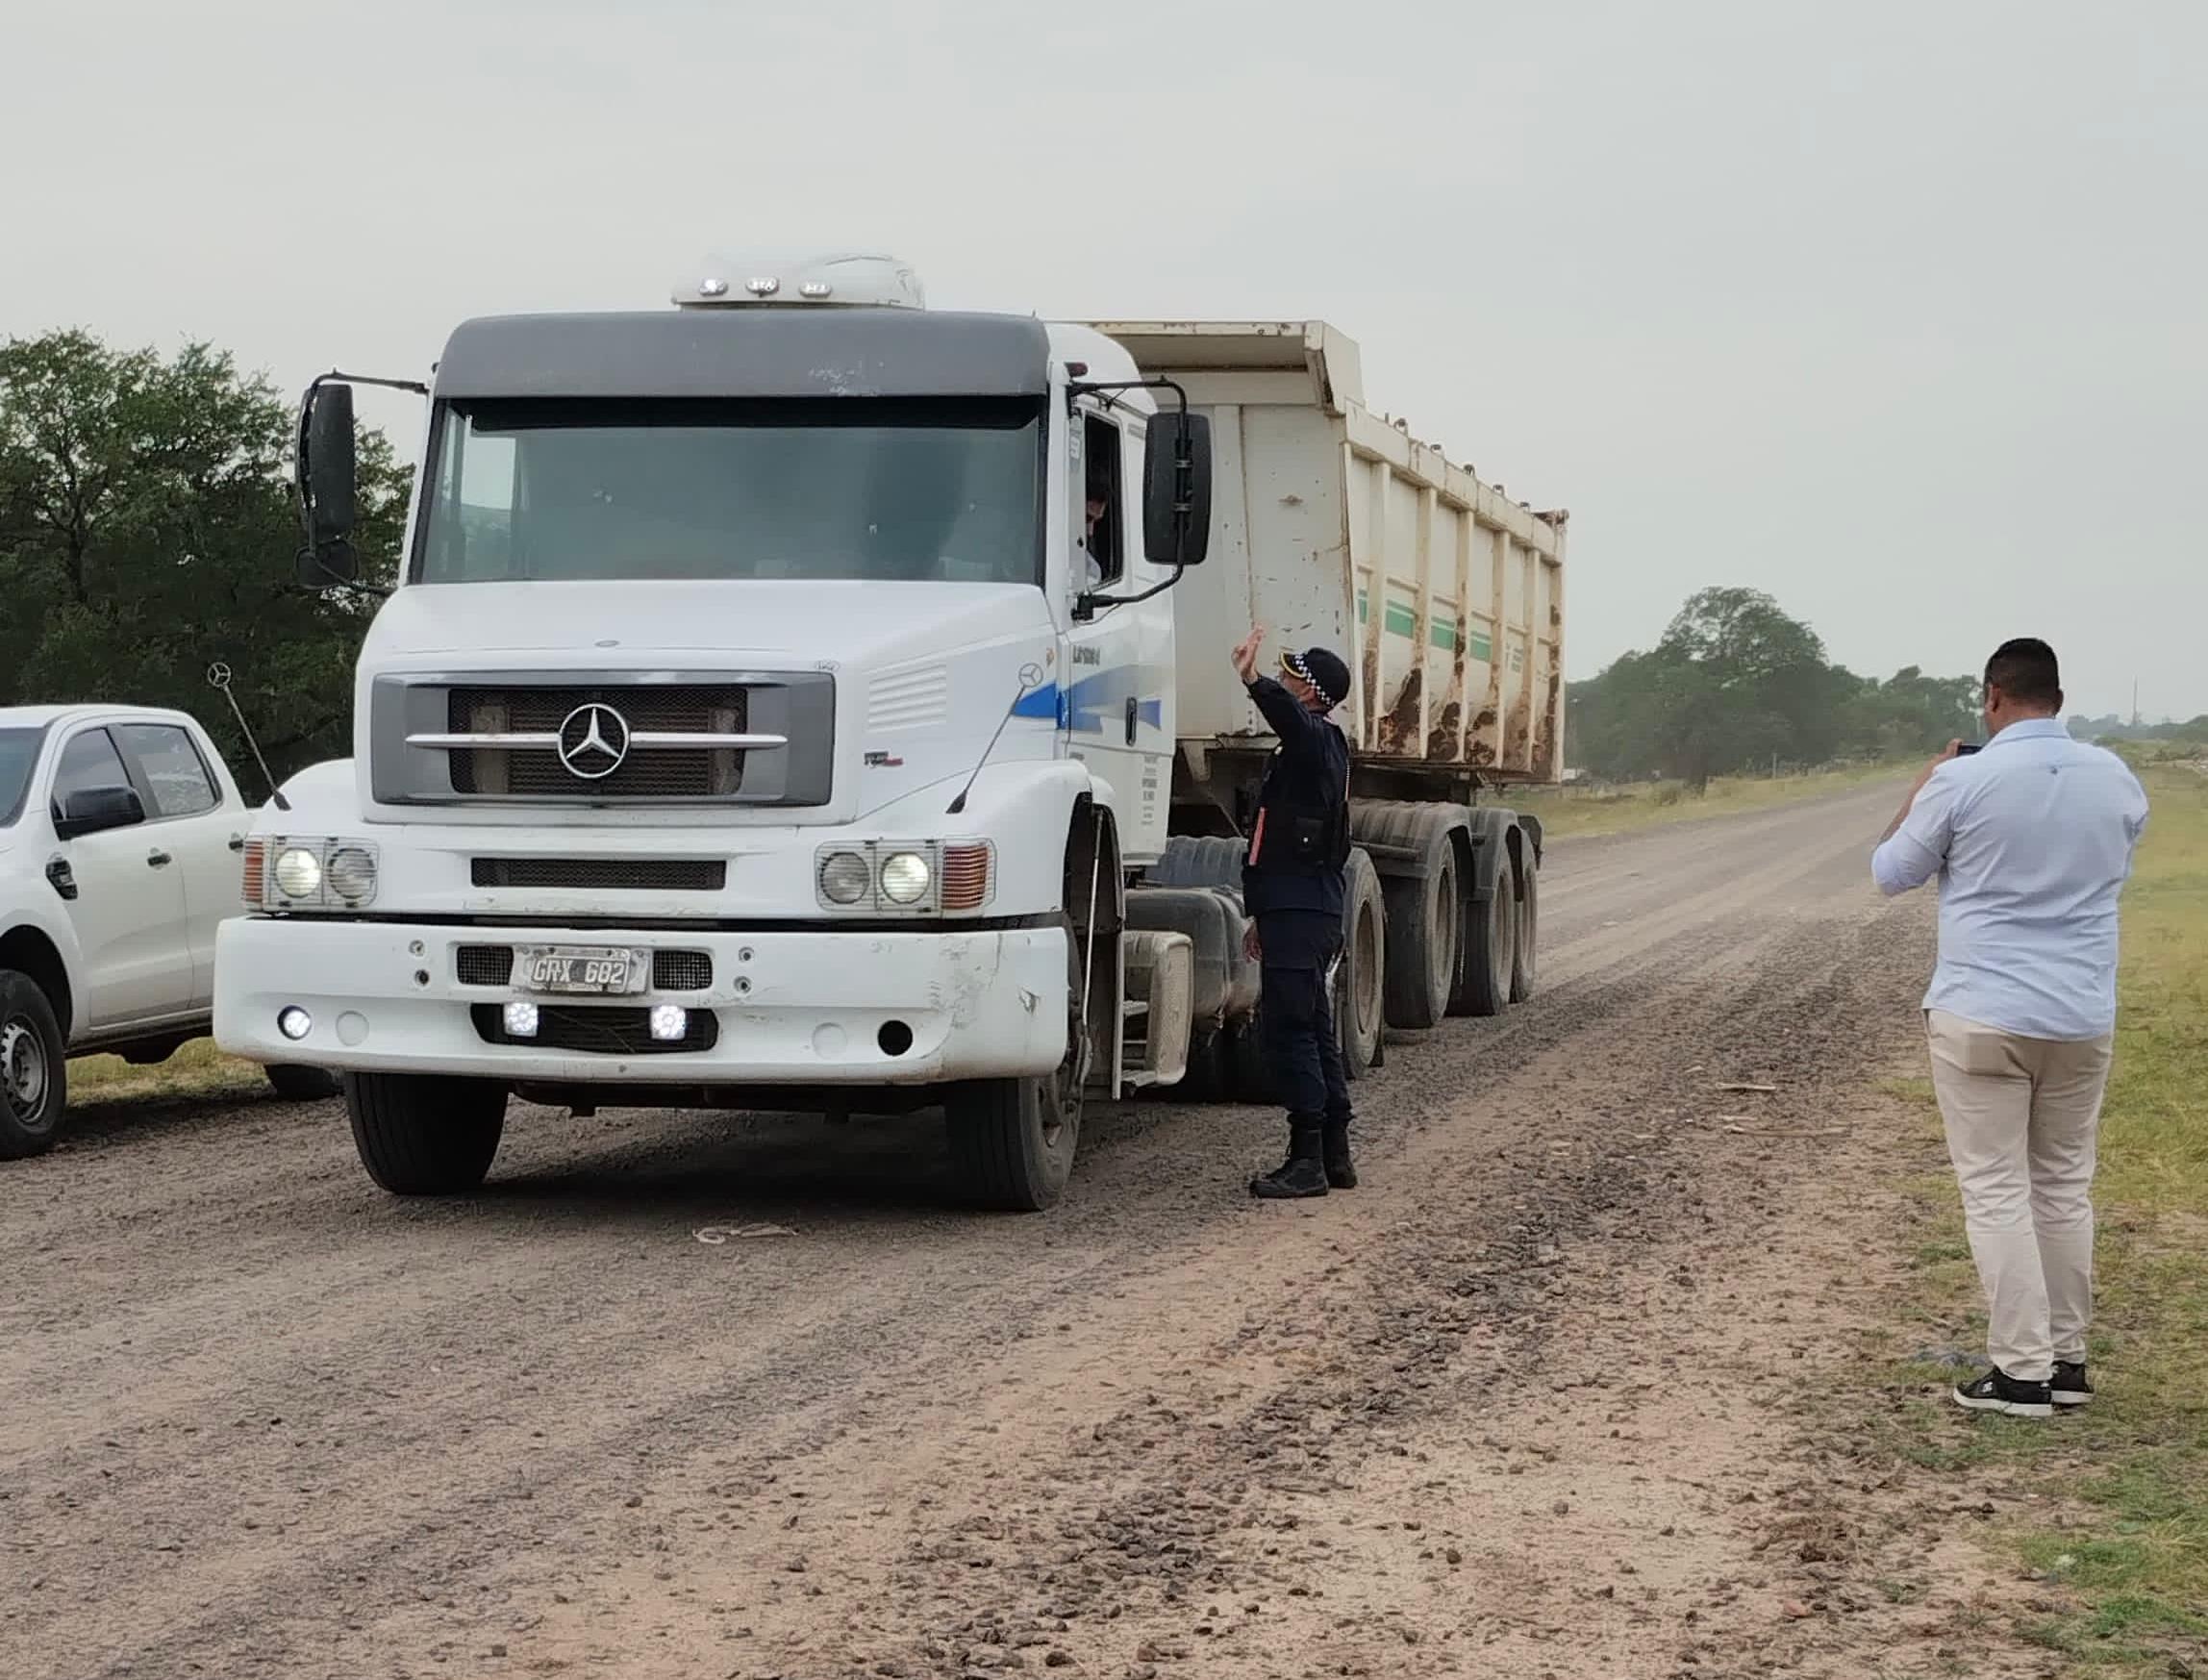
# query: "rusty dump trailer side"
[[1333, 524]]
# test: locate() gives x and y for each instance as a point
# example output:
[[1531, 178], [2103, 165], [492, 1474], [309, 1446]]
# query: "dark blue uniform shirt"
[[1306, 779]]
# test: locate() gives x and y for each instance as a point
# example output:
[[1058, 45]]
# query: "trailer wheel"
[[1525, 944], [425, 1134], [1361, 997], [34, 1069], [1484, 984], [1425, 922]]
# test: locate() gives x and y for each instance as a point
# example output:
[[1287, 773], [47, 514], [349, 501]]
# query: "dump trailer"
[[1333, 525], [802, 698]]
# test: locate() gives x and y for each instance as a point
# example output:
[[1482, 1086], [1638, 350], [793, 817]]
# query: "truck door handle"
[[236, 843], [1133, 706], [159, 860]]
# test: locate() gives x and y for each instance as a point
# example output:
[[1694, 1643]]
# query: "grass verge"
[[197, 1069], [1599, 810], [2124, 1546]]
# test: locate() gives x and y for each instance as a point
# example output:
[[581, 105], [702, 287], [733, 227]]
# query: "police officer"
[[1293, 884]]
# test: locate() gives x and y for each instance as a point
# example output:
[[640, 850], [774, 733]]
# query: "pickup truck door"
[[194, 811], [128, 913]]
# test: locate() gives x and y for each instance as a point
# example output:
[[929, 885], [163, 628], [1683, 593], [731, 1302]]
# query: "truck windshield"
[[944, 490], [18, 758]]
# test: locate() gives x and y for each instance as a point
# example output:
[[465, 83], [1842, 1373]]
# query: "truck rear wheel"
[[1484, 986], [1361, 995], [1524, 946], [1426, 924], [425, 1135], [34, 1069]]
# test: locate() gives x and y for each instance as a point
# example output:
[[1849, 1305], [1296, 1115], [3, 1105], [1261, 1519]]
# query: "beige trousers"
[[2023, 1115]]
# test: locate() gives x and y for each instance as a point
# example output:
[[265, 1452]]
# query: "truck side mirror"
[[96, 810], [1177, 488], [327, 487]]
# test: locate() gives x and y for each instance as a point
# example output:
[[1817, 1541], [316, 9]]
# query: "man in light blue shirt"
[[2031, 839]]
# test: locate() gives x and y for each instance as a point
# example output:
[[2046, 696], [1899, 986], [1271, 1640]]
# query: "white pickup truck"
[[120, 828]]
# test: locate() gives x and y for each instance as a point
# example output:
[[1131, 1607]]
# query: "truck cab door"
[[128, 911], [1118, 705], [201, 821]]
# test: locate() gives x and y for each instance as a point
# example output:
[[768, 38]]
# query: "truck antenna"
[[219, 677], [1030, 680]]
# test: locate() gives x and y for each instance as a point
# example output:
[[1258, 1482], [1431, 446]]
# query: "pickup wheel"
[[425, 1135], [302, 1084], [34, 1069]]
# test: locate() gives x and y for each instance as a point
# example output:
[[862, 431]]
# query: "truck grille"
[[671, 971], [597, 1030], [603, 874], [674, 773]]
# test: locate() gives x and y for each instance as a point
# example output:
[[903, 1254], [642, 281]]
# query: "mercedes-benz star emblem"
[[593, 742]]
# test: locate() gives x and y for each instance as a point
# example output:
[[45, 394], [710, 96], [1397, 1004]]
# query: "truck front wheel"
[[425, 1135], [1013, 1139], [34, 1069]]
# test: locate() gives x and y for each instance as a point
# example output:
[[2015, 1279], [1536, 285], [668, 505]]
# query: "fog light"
[[294, 1023], [669, 1024], [521, 1020]]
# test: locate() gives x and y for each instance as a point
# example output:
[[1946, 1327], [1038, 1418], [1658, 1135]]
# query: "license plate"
[[599, 971]]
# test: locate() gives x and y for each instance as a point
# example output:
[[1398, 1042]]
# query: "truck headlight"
[[846, 878], [320, 873], [906, 877]]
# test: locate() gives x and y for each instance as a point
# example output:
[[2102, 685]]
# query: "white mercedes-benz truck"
[[801, 698]]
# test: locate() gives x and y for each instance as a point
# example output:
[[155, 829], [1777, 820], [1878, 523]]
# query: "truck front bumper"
[[821, 1006]]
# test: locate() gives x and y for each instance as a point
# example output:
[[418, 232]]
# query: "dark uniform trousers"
[[1295, 968]]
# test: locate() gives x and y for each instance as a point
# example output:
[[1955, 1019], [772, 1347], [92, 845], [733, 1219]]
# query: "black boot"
[[1301, 1174], [1334, 1150]]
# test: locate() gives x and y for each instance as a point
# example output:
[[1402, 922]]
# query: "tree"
[[147, 531], [1737, 684]]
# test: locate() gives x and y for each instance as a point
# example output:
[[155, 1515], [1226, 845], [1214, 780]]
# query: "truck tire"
[[1249, 1073], [1484, 983], [1525, 947], [425, 1134], [1359, 996], [302, 1084], [34, 1069], [1199, 860], [1013, 1141], [1425, 926]]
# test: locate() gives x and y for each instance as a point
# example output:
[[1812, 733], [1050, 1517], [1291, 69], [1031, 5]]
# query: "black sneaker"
[[2069, 1387], [1998, 1392]]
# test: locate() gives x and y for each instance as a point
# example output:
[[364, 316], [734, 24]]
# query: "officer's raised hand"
[[1244, 655]]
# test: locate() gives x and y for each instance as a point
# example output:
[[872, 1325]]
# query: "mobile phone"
[[1967, 748]]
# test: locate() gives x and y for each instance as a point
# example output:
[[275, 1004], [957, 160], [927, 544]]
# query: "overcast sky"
[[1896, 311]]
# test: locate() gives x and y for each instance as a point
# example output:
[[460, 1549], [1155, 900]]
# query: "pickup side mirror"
[[1177, 488], [327, 487], [96, 810]]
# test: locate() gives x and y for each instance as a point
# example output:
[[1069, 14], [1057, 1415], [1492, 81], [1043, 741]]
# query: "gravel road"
[[258, 1419]]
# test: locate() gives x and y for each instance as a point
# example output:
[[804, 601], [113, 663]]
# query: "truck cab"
[[778, 690]]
